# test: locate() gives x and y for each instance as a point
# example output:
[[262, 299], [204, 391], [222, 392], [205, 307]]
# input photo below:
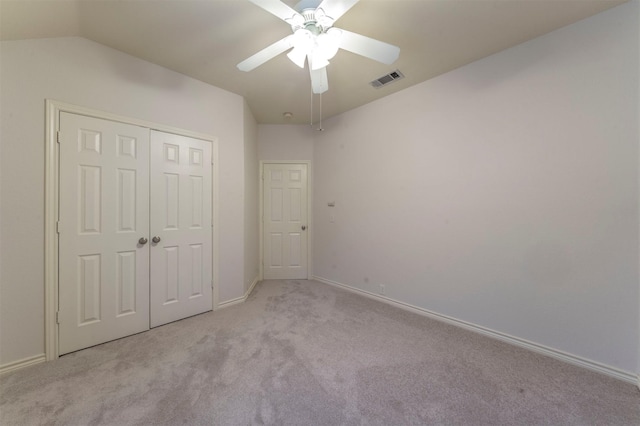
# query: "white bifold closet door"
[[120, 186]]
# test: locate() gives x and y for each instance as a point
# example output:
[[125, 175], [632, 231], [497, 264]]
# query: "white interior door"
[[104, 211], [181, 275], [285, 221]]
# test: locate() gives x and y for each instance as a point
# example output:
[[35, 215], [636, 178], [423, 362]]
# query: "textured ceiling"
[[205, 39]]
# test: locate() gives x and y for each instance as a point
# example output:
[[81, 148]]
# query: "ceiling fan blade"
[[277, 8], [319, 81], [336, 8], [265, 54], [369, 47]]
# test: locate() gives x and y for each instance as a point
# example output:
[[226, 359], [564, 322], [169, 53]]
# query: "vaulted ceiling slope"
[[205, 39]]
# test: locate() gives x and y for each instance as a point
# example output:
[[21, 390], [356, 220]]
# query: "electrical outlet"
[[382, 289]]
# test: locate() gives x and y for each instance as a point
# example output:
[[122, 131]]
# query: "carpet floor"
[[304, 353]]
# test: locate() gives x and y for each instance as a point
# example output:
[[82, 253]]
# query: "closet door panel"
[[181, 248], [104, 211]]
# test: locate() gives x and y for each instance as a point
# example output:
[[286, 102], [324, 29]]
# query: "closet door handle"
[[156, 239], [142, 241]]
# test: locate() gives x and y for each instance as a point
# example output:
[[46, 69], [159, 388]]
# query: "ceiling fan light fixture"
[[302, 43], [328, 43], [303, 39], [317, 61], [298, 56]]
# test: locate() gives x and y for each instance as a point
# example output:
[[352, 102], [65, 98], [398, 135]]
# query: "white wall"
[[504, 193], [84, 73], [251, 196], [282, 142]]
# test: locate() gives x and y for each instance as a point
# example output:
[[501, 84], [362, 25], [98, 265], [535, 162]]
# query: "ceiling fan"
[[315, 40]]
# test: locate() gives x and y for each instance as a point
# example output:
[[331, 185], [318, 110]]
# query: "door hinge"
[[211, 284], [58, 226], [58, 136], [57, 317]]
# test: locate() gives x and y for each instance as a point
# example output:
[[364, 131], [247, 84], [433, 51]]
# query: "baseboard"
[[231, 302], [240, 299], [256, 280], [22, 363], [554, 353]]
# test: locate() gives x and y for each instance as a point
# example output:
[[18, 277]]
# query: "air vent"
[[387, 79]]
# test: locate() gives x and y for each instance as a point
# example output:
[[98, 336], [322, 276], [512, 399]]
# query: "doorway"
[[286, 224]]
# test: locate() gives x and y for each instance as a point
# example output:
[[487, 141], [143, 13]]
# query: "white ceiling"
[[205, 39]]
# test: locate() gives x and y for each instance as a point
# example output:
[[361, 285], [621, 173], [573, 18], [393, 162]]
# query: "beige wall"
[[80, 72], [278, 142], [504, 193]]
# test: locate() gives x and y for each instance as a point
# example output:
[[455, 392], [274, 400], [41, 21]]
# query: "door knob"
[[304, 227], [156, 239], [142, 241]]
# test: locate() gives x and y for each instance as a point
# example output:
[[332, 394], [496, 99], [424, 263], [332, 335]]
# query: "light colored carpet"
[[303, 353]]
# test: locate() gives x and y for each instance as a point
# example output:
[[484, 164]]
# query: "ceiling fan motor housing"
[[313, 20], [310, 22]]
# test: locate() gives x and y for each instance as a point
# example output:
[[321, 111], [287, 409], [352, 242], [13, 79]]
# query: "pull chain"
[[311, 118], [320, 129]]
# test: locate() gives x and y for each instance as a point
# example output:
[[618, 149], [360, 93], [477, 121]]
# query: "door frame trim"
[[310, 226], [53, 109]]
